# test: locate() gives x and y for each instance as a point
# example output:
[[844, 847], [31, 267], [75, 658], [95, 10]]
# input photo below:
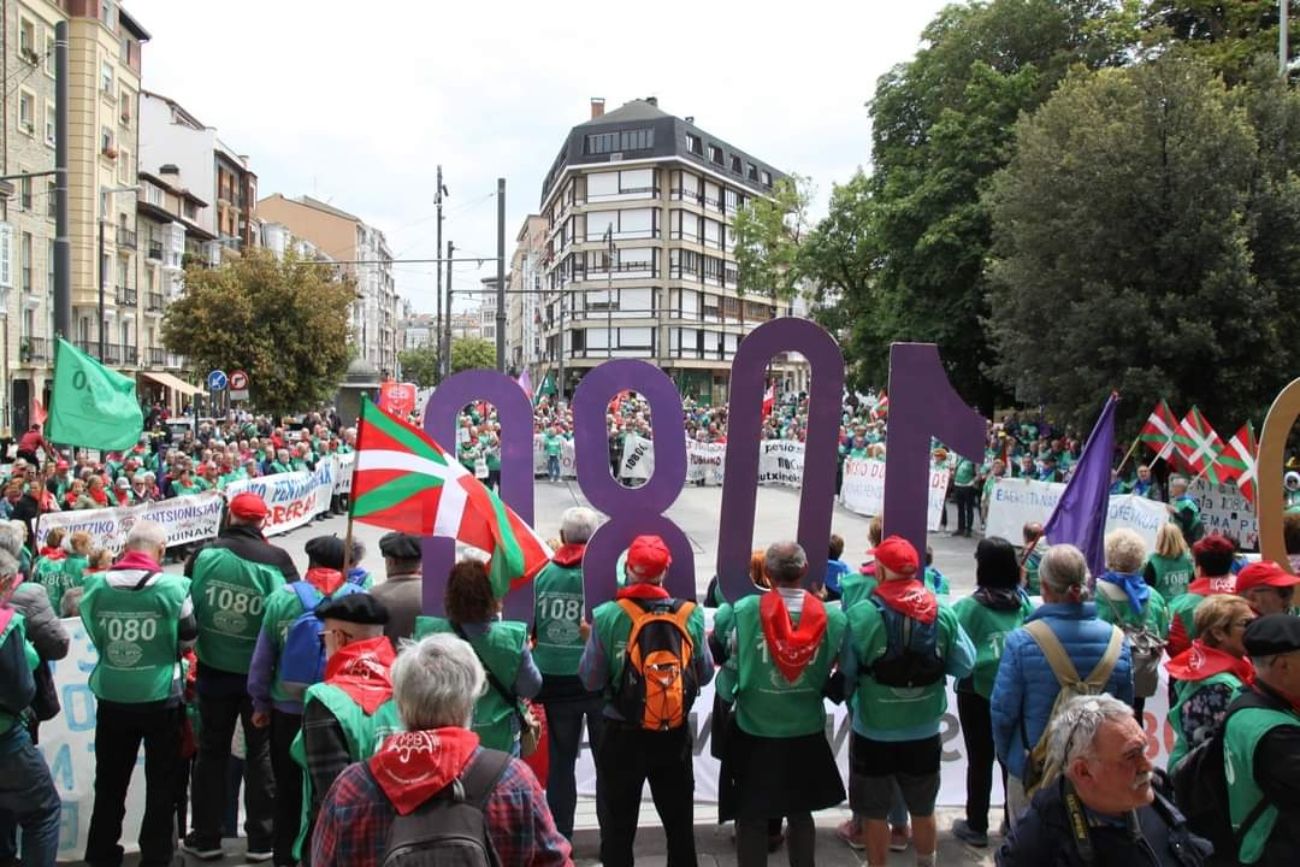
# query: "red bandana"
[[569, 555], [362, 669], [1206, 586], [792, 649], [53, 553], [324, 579], [909, 598], [1200, 661], [412, 767]]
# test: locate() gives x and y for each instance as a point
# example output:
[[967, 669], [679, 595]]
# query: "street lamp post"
[[103, 276]]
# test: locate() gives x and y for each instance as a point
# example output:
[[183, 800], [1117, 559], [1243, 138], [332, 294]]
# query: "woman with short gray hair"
[[1125, 599], [436, 683]]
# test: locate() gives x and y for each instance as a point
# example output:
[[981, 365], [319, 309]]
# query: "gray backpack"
[[1145, 647], [450, 829]]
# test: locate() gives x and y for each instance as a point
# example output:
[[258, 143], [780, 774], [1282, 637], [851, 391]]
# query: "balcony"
[[157, 356], [126, 296], [131, 354], [35, 349], [155, 251], [154, 302], [125, 238], [112, 353]]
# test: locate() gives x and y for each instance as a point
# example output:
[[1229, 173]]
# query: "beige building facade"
[[524, 298]]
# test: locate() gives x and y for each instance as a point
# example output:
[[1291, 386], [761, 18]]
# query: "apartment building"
[[363, 252], [640, 253], [418, 331], [524, 298]]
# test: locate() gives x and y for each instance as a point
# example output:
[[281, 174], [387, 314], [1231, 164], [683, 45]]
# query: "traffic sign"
[[217, 380], [238, 380]]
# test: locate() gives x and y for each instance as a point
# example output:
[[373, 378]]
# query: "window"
[[27, 40], [735, 164], [715, 155], [108, 14], [693, 144], [6, 255], [602, 142], [153, 194], [106, 142], [126, 101], [49, 55], [50, 128], [27, 112], [751, 171], [27, 261], [25, 194], [124, 167], [636, 139], [191, 210], [49, 265], [106, 78], [51, 210], [767, 179]]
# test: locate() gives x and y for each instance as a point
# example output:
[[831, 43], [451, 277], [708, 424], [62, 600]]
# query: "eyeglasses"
[[1243, 622]]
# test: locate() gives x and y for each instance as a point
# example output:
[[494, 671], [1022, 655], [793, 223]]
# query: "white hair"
[[146, 536], [12, 536], [1074, 730], [578, 524], [785, 561], [436, 682], [1125, 550], [1063, 567]]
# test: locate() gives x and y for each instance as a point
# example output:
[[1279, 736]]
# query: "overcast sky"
[[357, 102]]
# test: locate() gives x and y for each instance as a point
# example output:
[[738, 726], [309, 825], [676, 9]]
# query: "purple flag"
[[526, 383], [1080, 515]]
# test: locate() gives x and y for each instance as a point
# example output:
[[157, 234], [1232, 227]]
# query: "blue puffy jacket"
[[1026, 689]]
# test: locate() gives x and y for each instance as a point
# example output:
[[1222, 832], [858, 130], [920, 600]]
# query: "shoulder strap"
[[683, 615], [1113, 593], [482, 775], [1062, 668], [631, 609], [145, 580], [508, 695], [1101, 673], [300, 589]]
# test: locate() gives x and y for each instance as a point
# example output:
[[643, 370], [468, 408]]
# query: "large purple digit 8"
[[516, 416], [632, 512], [922, 404], [744, 423]]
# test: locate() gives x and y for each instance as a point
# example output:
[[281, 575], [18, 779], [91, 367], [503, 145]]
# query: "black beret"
[[1272, 634], [359, 608], [400, 546], [325, 551]]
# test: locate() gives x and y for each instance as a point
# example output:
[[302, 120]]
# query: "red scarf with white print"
[[792, 648]]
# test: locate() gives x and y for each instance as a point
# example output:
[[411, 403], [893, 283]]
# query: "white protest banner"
[[292, 499], [638, 458], [862, 490], [780, 462], [343, 481], [1015, 502], [568, 463], [704, 462], [1225, 510], [186, 519]]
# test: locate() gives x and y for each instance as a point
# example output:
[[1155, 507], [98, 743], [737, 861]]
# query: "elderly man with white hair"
[[375, 805], [138, 618], [560, 631], [1098, 805]]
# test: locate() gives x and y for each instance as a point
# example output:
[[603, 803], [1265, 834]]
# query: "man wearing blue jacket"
[[1026, 688]]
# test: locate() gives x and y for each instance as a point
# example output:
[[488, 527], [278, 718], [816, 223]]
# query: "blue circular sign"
[[217, 380]]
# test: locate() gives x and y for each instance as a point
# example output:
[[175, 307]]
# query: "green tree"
[[468, 353], [420, 365], [1126, 233], [1229, 35], [768, 234], [285, 322]]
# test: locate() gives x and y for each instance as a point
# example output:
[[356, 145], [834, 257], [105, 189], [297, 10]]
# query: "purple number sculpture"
[[744, 425], [921, 404], [636, 511], [515, 413]]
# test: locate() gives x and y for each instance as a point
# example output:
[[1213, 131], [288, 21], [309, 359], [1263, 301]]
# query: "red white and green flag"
[[405, 481], [1198, 445], [1158, 432], [1237, 463]]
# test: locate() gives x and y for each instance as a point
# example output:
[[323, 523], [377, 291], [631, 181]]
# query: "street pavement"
[[697, 511]]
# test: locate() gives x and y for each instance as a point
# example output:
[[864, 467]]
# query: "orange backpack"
[[659, 683]]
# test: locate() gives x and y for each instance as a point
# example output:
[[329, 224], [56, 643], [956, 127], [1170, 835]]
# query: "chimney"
[[690, 118], [653, 100], [597, 107]]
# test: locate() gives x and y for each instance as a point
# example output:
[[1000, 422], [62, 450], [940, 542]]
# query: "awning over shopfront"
[[172, 382]]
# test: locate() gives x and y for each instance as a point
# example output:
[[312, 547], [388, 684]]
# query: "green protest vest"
[[1154, 619], [888, 707], [282, 609], [51, 575], [1187, 515], [768, 705], [229, 602], [854, 587], [557, 614], [1184, 608], [1242, 735], [987, 628], [134, 632], [16, 630], [1185, 689], [363, 733], [501, 651], [1172, 574], [74, 570]]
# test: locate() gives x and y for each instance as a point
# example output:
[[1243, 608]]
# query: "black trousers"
[[118, 735], [966, 498], [288, 785], [977, 730], [217, 715], [629, 756]]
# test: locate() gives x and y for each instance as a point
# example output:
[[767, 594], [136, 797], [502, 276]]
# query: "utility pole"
[[501, 275], [446, 364], [62, 244], [437, 322]]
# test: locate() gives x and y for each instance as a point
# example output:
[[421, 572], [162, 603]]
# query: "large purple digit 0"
[[636, 511], [515, 413], [922, 404], [744, 425]]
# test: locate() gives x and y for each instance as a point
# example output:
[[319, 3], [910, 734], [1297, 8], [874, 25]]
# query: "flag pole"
[[347, 536], [1129, 454]]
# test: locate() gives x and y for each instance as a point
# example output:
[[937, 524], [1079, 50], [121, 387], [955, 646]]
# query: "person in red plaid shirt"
[[435, 684]]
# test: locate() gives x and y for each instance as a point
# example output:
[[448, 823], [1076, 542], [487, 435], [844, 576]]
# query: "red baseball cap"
[[248, 507], [647, 557], [1265, 573], [897, 555]]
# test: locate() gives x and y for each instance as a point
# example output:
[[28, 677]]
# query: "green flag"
[[91, 406]]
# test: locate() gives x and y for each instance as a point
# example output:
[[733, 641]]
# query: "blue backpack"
[[911, 656], [302, 661]]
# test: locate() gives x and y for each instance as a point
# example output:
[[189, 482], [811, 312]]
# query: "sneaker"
[[199, 848], [899, 838], [851, 834], [259, 854], [962, 830]]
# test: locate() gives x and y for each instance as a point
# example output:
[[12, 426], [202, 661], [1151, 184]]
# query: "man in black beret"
[[347, 715], [400, 592], [1261, 744]]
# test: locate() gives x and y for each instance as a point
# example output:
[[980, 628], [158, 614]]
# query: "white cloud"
[[356, 103]]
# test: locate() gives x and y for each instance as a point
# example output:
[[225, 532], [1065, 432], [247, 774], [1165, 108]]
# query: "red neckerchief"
[[1200, 662], [53, 553], [569, 555], [1207, 586], [910, 598], [641, 590], [362, 669], [792, 649], [324, 579], [868, 569], [412, 767], [123, 499], [99, 497]]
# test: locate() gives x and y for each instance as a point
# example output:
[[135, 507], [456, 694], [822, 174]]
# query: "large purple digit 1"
[[744, 424], [515, 413], [922, 404], [637, 511]]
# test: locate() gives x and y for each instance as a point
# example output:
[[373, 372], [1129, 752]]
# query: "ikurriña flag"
[[1237, 463], [1197, 443], [405, 481], [1158, 432]]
